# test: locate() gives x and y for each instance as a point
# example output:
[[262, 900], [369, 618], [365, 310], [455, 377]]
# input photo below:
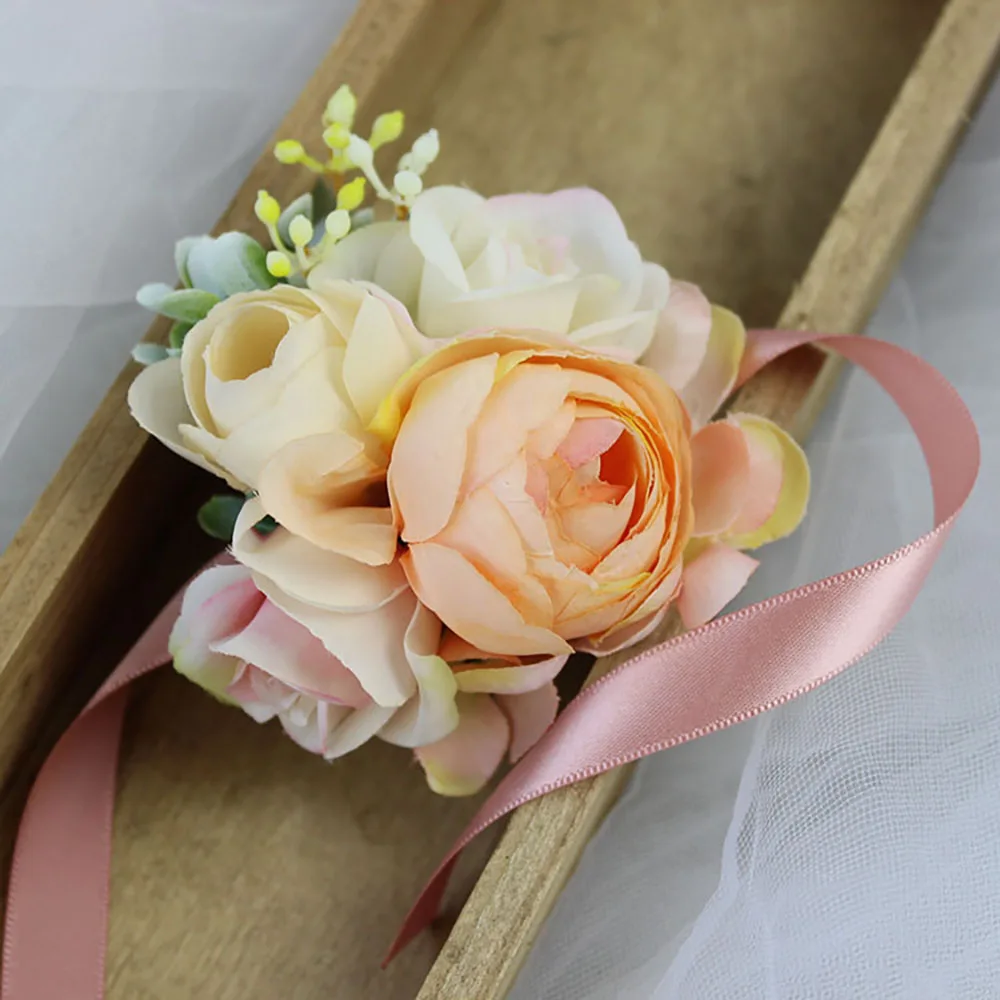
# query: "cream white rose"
[[560, 262], [268, 368]]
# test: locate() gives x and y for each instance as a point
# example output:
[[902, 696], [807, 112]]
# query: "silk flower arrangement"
[[465, 442]]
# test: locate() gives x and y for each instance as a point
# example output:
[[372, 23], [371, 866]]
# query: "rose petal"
[[289, 652], [543, 441], [252, 354], [716, 376], [377, 355], [789, 509], [156, 400], [471, 606], [597, 527], [353, 730], [544, 305], [530, 715], [310, 730], [509, 679], [219, 602], [484, 533], [711, 581], [308, 573], [626, 337], [432, 714], [311, 487], [618, 639], [429, 454], [524, 400], [369, 643], [589, 439], [462, 762], [720, 475], [355, 257], [681, 340], [309, 403], [434, 216], [598, 241]]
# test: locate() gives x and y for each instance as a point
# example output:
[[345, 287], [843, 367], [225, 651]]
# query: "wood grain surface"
[[245, 868]]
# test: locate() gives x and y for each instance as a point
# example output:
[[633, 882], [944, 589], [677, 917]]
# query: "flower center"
[[247, 343], [585, 490]]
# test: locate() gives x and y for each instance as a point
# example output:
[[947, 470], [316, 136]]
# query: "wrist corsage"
[[464, 441]]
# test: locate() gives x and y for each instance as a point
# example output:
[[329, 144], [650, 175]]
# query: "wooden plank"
[[841, 287]]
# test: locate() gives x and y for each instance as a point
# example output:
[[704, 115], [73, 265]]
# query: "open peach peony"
[[543, 492]]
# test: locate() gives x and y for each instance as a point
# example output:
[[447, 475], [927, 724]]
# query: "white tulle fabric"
[[847, 845], [124, 125]]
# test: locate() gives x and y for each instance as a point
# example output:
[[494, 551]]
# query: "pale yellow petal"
[[794, 497], [156, 399], [514, 678], [432, 713], [376, 357], [310, 574], [716, 376], [465, 760]]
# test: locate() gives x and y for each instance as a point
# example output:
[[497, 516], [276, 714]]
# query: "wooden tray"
[[727, 134]]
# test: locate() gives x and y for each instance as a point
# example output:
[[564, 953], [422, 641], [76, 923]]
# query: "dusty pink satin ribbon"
[[723, 673]]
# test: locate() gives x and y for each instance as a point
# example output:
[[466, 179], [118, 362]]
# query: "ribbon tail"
[[55, 933]]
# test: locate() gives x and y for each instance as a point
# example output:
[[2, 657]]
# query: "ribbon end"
[[424, 910]]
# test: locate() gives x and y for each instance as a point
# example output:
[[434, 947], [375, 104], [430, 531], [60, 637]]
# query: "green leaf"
[[181, 250], [185, 305], [149, 354], [217, 516], [362, 217], [231, 263], [177, 334], [324, 200], [303, 205], [265, 525]]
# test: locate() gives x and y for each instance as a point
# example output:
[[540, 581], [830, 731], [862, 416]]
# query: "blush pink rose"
[[461, 719]]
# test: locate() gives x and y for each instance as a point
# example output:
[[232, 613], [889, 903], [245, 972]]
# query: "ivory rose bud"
[[267, 368], [560, 262], [543, 492]]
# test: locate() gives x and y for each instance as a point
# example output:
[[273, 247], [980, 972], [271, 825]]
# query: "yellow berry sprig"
[[349, 151], [305, 251]]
